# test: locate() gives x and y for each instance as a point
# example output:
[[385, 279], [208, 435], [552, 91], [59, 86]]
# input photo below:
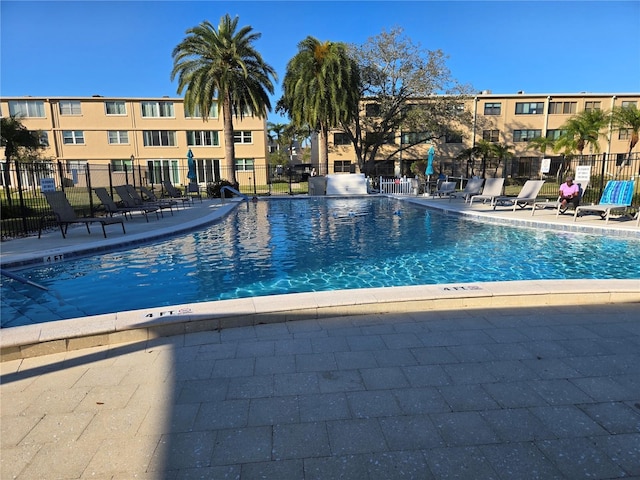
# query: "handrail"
[[20, 279], [233, 190]]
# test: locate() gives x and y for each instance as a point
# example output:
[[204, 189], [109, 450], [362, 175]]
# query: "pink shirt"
[[566, 190]]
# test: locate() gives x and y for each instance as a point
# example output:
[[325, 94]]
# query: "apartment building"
[[152, 135], [511, 119]]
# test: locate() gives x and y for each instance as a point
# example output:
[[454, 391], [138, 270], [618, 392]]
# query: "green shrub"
[[213, 189]]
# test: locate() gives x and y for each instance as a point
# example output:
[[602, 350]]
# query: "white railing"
[[399, 186]]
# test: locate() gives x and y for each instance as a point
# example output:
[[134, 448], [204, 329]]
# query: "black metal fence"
[[23, 205]]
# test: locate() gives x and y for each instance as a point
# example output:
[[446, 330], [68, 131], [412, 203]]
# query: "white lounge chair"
[[557, 204], [473, 187], [527, 196], [492, 189], [445, 189], [617, 195]]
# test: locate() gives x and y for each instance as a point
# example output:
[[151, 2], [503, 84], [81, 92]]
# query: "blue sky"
[[123, 48]]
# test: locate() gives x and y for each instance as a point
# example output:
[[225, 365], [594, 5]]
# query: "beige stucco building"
[[511, 119], [153, 135]]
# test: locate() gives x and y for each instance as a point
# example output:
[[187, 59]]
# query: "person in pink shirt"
[[569, 193]]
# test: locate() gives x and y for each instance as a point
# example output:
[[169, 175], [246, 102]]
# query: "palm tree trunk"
[[323, 140], [229, 147]]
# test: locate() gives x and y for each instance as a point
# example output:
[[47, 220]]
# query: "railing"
[[398, 186], [227, 188]]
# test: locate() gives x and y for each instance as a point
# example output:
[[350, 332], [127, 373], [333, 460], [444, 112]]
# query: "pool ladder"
[[233, 190]]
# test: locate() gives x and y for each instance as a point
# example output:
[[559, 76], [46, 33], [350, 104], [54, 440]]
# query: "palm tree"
[[627, 118], [321, 89], [581, 130], [222, 66], [277, 129], [501, 152], [15, 137]]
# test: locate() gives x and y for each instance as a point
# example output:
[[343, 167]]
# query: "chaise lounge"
[[527, 196], [617, 195], [66, 215]]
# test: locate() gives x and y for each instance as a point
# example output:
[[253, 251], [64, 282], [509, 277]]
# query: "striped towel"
[[617, 192]]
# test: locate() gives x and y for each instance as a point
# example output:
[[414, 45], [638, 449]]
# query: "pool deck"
[[505, 380]]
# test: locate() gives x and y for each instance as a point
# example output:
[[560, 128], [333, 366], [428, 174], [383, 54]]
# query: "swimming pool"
[[314, 244]]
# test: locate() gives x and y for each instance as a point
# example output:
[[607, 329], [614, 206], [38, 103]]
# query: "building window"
[[625, 134], [242, 136], [525, 135], [372, 110], [627, 104], [341, 139], [588, 106], [27, 108], [564, 108], [213, 112], [121, 165], [377, 138], [529, 108], [160, 170], [203, 138], [414, 138], [115, 108], [118, 137], [157, 109], [342, 166], [491, 135], [207, 170], [492, 108], [159, 138], [555, 134], [453, 137], [73, 137], [78, 166], [244, 164], [70, 107], [246, 112]]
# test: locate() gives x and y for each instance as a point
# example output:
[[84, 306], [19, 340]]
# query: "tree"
[[581, 130], [18, 142], [627, 118], [222, 67], [502, 152], [320, 89], [403, 88]]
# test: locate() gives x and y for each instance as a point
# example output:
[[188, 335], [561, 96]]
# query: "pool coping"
[[146, 324]]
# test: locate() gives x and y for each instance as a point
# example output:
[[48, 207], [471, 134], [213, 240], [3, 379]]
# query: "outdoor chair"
[[527, 196], [174, 193], [617, 196], [492, 190], [129, 202], [161, 204], [66, 215], [445, 189], [193, 191], [473, 187]]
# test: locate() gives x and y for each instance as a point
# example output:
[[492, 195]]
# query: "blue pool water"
[[300, 245]]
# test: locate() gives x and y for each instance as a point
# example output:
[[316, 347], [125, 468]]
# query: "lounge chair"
[[66, 215], [129, 202], [617, 195], [492, 189], [110, 205], [557, 204], [446, 188], [527, 196], [193, 191], [140, 202], [174, 193], [473, 187], [151, 197]]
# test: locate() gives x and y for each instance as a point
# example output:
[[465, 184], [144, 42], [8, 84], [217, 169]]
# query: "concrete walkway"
[[546, 389]]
